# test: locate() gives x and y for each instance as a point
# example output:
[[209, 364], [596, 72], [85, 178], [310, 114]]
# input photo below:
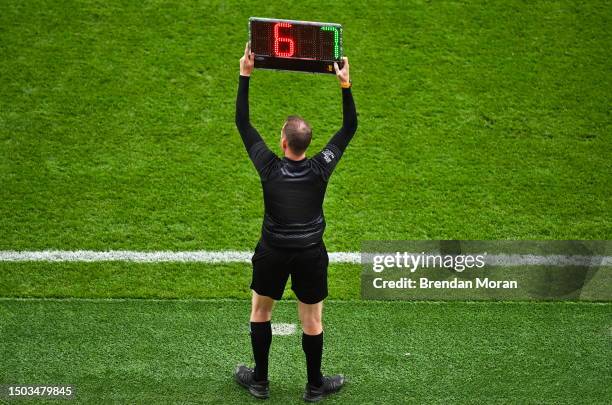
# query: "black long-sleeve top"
[[293, 190]]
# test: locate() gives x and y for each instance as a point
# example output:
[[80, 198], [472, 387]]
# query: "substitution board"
[[303, 46]]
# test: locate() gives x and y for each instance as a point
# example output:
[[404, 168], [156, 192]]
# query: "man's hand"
[[343, 74], [247, 62]]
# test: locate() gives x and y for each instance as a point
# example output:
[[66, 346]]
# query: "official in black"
[[291, 242]]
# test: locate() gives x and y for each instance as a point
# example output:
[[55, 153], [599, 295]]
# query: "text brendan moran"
[[455, 283]]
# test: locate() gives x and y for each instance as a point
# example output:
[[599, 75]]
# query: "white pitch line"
[[283, 329], [234, 256], [549, 260], [228, 256], [222, 256]]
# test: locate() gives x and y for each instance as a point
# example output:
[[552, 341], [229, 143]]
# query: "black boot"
[[246, 377], [330, 385]]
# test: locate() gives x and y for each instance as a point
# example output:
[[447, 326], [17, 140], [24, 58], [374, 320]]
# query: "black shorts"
[[307, 267]]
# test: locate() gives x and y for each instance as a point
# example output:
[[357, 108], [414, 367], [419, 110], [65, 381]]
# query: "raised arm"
[[249, 135], [349, 114]]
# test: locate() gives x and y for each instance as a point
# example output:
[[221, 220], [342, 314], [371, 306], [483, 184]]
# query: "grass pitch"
[[478, 120], [143, 351]]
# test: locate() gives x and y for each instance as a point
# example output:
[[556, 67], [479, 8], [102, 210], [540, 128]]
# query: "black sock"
[[261, 338], [313, 348]]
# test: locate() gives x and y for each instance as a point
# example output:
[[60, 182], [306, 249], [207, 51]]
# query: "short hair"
[[298, 134]]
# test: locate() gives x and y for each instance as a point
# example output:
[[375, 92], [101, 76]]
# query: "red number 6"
[[278, 39]]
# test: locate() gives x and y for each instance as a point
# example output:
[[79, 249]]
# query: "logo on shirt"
[[328, 155]]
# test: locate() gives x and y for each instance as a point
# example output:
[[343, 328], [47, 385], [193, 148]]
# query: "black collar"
[[295, 161]]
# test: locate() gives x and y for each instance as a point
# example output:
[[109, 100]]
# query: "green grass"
[[478, 120], [180, 352], [151, 280]]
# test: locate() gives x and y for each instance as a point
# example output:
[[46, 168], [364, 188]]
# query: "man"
[[291, 238]]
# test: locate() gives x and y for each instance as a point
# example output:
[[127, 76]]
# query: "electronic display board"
[[303, 46]]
